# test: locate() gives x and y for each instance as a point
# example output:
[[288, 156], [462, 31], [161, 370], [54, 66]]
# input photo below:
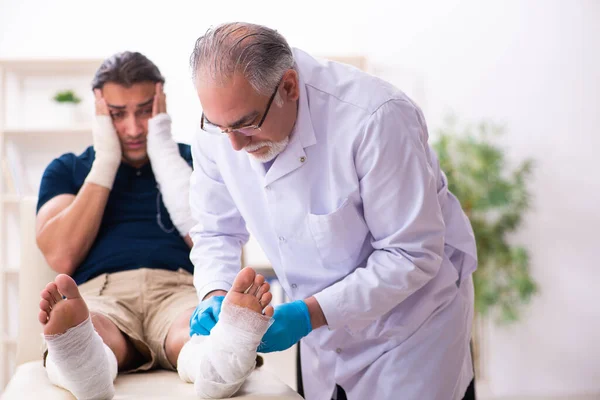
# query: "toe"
[[258, 281], [266, 299], [43, 317], [53, 290], [264, 288], [67, 286], [244, 280], [45, 306], [48, 297], [269, 311]]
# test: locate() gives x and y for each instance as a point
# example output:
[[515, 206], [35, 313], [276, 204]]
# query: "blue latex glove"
[[291, 323], [205, 316]]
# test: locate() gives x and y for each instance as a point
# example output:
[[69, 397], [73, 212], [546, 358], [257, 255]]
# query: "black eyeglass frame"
[[252, 129]]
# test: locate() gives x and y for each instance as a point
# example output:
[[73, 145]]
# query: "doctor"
[[330, 170]]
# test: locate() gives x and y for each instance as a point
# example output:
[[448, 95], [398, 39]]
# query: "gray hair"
[[261, 54]]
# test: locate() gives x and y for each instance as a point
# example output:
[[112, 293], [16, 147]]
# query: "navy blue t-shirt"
[[130, 235]]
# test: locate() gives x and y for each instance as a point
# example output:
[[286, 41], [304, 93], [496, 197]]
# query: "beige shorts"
[[143, 304]]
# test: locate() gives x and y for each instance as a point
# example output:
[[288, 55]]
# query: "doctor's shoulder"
[[358, 88]]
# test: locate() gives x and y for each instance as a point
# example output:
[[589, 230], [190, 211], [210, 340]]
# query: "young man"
[[331, 171], [114, 223]]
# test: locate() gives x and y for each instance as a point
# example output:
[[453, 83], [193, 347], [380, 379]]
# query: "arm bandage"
[[172, 172], [108, 152]]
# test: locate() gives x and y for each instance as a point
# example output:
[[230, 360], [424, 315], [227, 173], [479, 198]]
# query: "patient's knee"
[[173, 345], [113, 338], [178, 335]]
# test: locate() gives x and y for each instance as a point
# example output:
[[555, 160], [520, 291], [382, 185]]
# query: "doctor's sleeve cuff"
[[329, 301], [211, 287], [337, 309]]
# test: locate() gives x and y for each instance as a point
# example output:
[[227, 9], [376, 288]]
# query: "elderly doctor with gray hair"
[[329, 168]]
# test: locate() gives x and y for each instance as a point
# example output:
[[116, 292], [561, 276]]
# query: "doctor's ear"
[[291, 85]]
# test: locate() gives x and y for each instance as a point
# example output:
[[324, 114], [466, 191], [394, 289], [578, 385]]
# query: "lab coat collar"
[[302, 136]]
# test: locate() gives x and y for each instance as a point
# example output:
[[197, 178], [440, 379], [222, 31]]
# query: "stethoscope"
[[158, 214]]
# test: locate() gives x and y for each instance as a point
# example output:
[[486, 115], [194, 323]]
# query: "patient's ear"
[[259, 361]]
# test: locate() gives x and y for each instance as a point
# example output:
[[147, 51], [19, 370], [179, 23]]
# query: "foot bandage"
[[80, 362], [219, 364]]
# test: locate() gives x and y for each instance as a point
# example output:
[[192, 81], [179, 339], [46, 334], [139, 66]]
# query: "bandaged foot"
[[219, 364], [78, 360]]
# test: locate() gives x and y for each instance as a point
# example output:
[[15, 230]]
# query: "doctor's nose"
[[238, 141]]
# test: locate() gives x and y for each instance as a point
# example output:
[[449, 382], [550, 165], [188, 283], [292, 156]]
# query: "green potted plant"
[[67, 111], [67, 96], [495, 199]]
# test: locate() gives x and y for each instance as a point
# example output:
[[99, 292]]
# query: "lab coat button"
[[338, 350], [302, 159], [281, 239], [294, 286]]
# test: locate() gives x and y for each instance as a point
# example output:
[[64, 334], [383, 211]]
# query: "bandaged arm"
[[67, 225], [172, 172]]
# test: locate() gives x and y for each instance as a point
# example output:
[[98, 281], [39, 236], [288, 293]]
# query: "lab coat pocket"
[[338, 235]]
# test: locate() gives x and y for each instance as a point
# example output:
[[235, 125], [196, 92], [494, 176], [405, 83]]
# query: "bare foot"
[[251, 291], [58, 314]]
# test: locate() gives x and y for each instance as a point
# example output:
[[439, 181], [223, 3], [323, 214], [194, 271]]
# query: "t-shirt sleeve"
[[57, 179], [186, 152]]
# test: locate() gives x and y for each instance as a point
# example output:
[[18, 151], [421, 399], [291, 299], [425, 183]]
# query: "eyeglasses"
[[248, 130]]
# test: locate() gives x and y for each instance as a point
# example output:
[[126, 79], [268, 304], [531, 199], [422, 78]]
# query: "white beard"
[[274, 148]]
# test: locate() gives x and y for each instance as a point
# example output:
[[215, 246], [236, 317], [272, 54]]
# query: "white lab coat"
[[356, 212]]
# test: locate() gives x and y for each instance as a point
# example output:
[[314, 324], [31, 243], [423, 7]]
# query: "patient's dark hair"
[[125, 69]]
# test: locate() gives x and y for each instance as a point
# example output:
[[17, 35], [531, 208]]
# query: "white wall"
[[533, 65]]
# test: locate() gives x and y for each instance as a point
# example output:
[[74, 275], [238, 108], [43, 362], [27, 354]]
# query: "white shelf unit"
[[36, 132], [11, 198], [30, 137]]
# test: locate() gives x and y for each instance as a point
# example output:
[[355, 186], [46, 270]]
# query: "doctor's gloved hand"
[[205, 316], [291, 323]]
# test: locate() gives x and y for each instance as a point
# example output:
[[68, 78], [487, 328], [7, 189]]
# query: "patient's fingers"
[[101, 106], [160, 100]]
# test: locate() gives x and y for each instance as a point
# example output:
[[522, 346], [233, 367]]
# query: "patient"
[[114, 221]]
